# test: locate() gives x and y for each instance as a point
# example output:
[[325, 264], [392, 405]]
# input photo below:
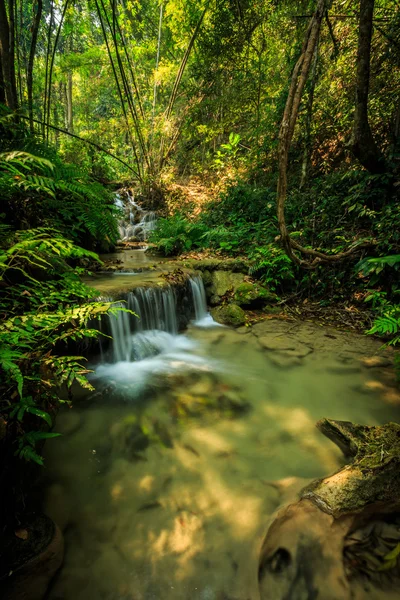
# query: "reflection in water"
[[168, 497]]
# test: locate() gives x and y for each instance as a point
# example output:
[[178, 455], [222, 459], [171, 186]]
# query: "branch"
[[77, 137]]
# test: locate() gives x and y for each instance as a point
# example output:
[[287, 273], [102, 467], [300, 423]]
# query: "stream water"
[[162, 479]]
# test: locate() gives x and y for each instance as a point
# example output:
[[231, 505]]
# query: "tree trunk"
[[2, 88], [7, 54], [362, 142], [70, 122], [299, 78], [32, 51], [305, 167], [336, 540]]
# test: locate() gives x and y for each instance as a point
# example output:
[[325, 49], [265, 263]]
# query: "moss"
[[229, 314], [253, 295]]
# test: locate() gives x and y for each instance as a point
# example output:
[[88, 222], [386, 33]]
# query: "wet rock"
[[223, 282], [253, 295], [128, 437], [283, 361], [376, 361], [344, 369], [215, 300], [290, 347], [161, 431], [243, 330], [229, 314], [204, 387]]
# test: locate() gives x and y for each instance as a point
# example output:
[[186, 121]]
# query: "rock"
[[243, 330], [253, 295], [284, 345], [204, 387], [215, 300], [272, 310], [223, 282], [234, 265], [283, 361], [376, 361], [229, 314], [128, 437], [43, 558], [57, 505]]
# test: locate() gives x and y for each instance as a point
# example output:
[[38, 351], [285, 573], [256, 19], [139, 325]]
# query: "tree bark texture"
[[362, 142], [298, 81], [38, 8], [339, 538], [7, 53]]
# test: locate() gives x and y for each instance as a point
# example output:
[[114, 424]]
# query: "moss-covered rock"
[[253, 295], [223, 282], [235, 265], [229, 314]]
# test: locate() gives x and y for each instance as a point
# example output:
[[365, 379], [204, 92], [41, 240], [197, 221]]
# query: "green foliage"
[[387, 321], [272, 266], [177, 234], [227, 152], [38, 191], [44, 306]]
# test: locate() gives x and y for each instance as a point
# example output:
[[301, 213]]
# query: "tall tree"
[[37, 15], [362, 142], [7, 53]]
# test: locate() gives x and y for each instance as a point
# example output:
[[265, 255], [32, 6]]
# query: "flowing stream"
[[162, 479], [137, 223]]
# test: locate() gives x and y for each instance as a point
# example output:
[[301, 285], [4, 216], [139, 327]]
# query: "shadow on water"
[[163, 476]]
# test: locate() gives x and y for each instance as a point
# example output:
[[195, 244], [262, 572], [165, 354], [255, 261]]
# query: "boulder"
[[253, 295], [223, 282], [229, 314]]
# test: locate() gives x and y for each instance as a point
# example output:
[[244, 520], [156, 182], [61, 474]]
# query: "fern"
[[48, 308]]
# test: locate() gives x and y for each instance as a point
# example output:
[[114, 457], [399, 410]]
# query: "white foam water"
[[137, 223]]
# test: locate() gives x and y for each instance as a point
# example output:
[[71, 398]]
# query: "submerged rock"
[[128, 437], [253, 295], [229, 314]]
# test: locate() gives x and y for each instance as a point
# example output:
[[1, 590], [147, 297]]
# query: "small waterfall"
[[199, 298], [161, 312], [137, 223], [156, 311]]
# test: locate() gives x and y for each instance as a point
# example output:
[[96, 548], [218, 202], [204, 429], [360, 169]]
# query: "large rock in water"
[[229, 314]]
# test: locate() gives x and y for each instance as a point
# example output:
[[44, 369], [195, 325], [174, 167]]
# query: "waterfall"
[[161, 312], [156, 311], [199, 298], [137, 223]]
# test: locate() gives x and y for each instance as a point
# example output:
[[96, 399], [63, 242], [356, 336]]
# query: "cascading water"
[[148, 344], [137, 223], [199, 297], [156, 311]]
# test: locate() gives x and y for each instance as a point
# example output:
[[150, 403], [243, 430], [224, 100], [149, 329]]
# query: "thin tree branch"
[[89, 142]]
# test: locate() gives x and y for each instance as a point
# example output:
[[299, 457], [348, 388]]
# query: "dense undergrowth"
[[333, 213], [50, 210]]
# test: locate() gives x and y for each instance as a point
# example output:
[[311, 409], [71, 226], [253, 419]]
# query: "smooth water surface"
[[162, 479]]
